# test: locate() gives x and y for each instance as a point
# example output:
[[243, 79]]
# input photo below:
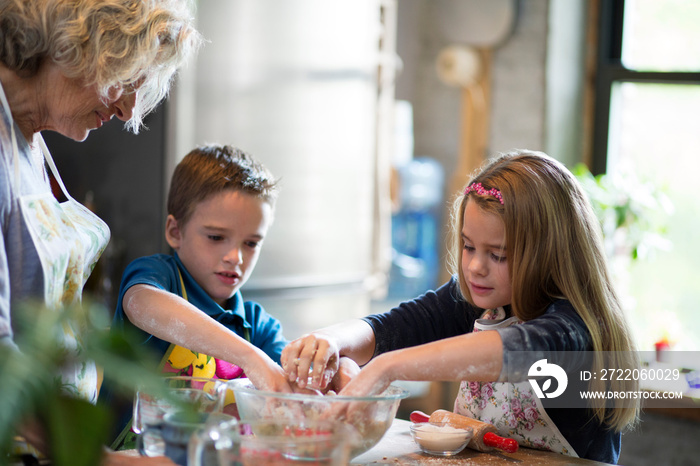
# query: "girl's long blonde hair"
[[554, 249]]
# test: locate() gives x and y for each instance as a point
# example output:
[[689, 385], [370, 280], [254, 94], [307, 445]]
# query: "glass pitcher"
[[150, 407], [274, 442]]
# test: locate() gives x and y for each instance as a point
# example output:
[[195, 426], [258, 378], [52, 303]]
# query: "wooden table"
[[397, 447]]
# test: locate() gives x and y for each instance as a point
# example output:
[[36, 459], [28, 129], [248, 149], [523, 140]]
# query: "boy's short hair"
[[211, 169]]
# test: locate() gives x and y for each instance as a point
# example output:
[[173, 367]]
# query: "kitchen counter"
[[397, 447]]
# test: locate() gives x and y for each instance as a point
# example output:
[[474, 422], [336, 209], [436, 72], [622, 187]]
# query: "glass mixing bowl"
[[371, 416]]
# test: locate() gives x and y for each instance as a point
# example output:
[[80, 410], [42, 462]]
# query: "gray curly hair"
[[134, 45]]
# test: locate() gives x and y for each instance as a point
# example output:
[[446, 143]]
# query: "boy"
[[220, 206]]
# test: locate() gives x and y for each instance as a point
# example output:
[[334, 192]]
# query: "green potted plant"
[[633, 213], [634, 216], [75, 429]]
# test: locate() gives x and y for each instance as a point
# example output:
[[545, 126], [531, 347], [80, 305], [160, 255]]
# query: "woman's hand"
[[315, 350], [118, 458]]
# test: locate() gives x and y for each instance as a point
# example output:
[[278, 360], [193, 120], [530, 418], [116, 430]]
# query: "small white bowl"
[[440, 439]]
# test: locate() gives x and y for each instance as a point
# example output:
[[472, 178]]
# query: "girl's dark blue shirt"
[[443, 314]]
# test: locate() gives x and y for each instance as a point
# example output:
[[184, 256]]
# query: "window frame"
[[610, 71]]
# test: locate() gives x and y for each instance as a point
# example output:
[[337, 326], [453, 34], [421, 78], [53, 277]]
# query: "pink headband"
[[477, 188]]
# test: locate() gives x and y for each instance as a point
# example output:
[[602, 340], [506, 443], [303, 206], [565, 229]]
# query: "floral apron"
[[69, 240], [511, 407]]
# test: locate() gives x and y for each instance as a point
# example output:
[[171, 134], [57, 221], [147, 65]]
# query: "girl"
[[533, 278]]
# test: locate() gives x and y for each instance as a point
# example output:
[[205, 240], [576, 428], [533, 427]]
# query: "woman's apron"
[[511, 407], [69, 240]]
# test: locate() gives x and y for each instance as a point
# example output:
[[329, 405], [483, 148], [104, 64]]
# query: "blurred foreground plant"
[[75, 429]]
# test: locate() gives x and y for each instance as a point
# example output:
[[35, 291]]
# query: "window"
[[646, 122]]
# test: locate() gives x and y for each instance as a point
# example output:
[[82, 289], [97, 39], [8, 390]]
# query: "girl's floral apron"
[[511, 407], [69, 240]]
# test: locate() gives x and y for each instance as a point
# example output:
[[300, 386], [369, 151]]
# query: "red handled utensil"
[[419, 416], [508, 445]]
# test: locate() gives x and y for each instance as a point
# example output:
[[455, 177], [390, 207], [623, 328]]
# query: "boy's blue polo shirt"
[[161, 271]]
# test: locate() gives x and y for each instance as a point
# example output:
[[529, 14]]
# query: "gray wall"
[[518, 89]]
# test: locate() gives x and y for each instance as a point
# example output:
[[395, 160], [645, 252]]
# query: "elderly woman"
[[70, 66]]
